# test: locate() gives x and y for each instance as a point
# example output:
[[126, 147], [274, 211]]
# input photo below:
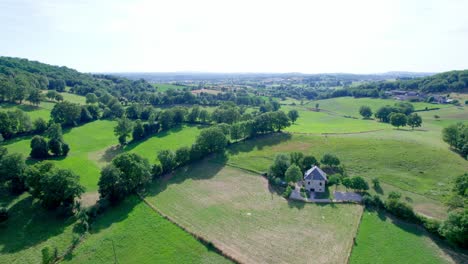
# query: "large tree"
[[398, 119], [293, 115], [52, 186], [293, 174], [365, 111], [168, 161], [414, 120], [123, 129], [39, 148], [12, 167], [280, 165], [330, 160], [66, 113], [126, 174], [211, 140]]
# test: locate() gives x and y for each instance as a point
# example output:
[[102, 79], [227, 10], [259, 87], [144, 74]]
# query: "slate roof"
[[315, 173]]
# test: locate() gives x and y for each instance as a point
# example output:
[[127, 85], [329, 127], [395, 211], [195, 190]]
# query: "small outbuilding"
[[315, 179]]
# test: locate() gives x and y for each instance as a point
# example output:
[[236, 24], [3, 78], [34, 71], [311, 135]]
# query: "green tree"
[[346, 182], [308, 161], [55, 131], [123, 129], [296, 158], [39, 148], [40, 125], [166, 119], [211, 140], [293, 115], [12, 167], [293, 174], [55, 146], [194, 113], [66, 113], [365, 111], [330, 160], [414, 120], [358, 183], [35, 97], [280, 165], [280, 120], [237, 131], [127, 173], [455, 228], [52, 94], [204, 116], [91, 98], [398, 119], [168, 161], [138, 131], [182, 155]]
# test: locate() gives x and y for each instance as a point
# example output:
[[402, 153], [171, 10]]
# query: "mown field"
[[34, 112], [238, 212], [382, 239], [94, 144], [29, 229], [132, 233]]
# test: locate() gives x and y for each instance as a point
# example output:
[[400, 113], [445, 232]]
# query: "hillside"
[[22, 75]]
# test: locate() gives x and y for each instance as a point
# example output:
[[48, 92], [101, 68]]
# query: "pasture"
[[321, 122], [162, 87], [34, 112], [93, 145], [29, 229], [382, 239], [139, 235], [238, 212], [350, 106], [405, 162]]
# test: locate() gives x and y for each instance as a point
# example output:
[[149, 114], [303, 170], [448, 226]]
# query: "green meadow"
[[382, 239], [245, 218], [29, 229], [162, 87], [94, 144], [132, 233]]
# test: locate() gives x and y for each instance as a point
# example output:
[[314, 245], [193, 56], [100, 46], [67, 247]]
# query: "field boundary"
[[350, 252], [201, 239]]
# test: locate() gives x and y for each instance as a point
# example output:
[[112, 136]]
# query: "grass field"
[[406, 161], [74, 98], [29, 229], [34, 112], [92, 146], [162, 87], [382, 239], [322, 122], [350, 106], [238, 212], [139, 235]]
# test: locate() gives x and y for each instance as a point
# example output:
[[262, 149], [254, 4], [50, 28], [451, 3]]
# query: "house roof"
[[315, 173]]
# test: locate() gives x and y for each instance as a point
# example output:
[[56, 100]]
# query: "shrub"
[[431, 225], [401, 210], [156, 170], [394, 195], [287, 192]]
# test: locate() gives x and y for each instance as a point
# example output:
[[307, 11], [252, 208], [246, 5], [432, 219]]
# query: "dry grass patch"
[[240, 215]]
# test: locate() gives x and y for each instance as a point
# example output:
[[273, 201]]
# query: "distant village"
[[413, 96]]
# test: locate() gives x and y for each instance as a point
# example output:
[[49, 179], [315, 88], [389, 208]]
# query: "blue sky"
[[360, 36]]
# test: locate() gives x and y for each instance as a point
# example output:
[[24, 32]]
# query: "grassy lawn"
[[384, 240], [93, 146], [29, 229], [322, 122], [398, 158], [350, 106], [139, 235], [74, 98], [34, 112], [238, 212]]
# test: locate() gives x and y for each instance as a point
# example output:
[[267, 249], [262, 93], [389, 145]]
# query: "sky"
[[310, 36]]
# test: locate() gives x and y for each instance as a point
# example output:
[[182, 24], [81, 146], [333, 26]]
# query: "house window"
[[308, 183], [320, 183]]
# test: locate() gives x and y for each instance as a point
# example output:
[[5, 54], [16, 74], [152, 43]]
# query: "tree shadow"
[[258, 143], [29, 224], [199, 170], [378, 189], [296, 204]]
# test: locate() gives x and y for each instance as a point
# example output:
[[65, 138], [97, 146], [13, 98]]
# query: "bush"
[[431, 225], [3, 214], [156, 171], [287, 192], [401, 210]]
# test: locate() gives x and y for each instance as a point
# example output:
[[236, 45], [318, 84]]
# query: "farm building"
[[315, 179]]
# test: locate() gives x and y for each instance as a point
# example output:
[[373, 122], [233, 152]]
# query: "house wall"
[[318, 186]]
